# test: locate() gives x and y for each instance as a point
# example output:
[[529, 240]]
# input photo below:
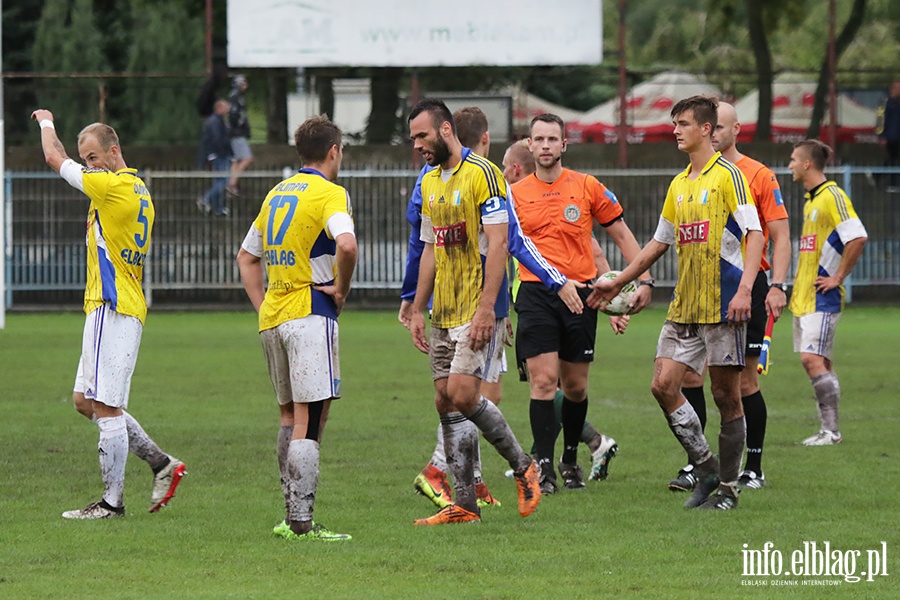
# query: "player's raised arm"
[[54, 151]]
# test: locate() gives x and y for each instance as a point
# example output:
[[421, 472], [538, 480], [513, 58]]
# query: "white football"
[[619, 305]]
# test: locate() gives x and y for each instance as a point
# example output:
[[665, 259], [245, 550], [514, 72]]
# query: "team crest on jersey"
[[457, 198], [451, 235], [808, 243], [431, 200], [779, 200], [572, 213], [693, 233], [679, 199], [704, 196], [815, 213]]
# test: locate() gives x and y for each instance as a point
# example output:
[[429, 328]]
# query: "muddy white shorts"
[[302, 355]]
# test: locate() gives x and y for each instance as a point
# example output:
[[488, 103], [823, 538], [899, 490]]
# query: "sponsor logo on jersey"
[[451, 235], [572, 213], [808, 243], [693, 233]]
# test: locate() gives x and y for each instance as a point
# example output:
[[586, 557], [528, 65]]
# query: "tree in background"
[[843, 40], [758, 18], [67, 41], [164, 37], [19, 24]]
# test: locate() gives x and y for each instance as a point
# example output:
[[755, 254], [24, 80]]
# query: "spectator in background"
[[215, 147], [239, 126], [889, 136], [206, 98]]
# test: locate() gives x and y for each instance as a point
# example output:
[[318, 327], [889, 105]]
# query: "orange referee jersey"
[[559, 219], [766, 195]]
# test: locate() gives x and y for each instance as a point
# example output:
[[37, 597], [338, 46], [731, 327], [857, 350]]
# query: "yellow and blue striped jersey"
[[829, 222], [706, 220], [119, 225], [297, 248], [474, 193]]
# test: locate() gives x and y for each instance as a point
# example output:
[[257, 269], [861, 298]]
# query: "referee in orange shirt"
[[557, 208]]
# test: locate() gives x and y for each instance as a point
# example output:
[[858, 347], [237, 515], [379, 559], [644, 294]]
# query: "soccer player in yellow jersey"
[[766, 300], [465, 229], [119, 225], [708, 215], [832, 241], [305, 235]]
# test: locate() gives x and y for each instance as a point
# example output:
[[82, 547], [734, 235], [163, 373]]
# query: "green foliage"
[[164, 38], [201, 390], [67, 41]]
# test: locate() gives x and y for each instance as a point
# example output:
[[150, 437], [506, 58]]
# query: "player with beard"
[[465, 224], [472, 131]]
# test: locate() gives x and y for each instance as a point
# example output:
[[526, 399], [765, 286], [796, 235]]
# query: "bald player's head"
[[518, 162], [727, 128]]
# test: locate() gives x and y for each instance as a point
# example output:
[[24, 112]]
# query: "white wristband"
[[45, 123]]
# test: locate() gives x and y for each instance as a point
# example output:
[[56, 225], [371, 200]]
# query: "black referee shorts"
[[545, 324]]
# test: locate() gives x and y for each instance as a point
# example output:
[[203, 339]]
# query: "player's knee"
[[813, 363], [82, 404], [662, 391], [543, 385], [575, 392]]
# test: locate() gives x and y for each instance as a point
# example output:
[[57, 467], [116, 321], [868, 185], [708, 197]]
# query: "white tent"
[[647, 109], [792, 106]]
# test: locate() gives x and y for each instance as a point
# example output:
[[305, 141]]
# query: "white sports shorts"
[[452, 354], [302, 355], [715, 344], [109, 349], [814, 333]]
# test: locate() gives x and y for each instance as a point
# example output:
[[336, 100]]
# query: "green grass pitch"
[[201, 390]]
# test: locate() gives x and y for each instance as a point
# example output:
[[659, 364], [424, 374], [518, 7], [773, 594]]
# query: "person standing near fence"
[[239, 127], [305, 232], [831, 243], [215, 147], [119, 226], [889, 135]]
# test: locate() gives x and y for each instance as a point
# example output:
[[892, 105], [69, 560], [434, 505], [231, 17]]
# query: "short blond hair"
[[520, 154], [106, 135]]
